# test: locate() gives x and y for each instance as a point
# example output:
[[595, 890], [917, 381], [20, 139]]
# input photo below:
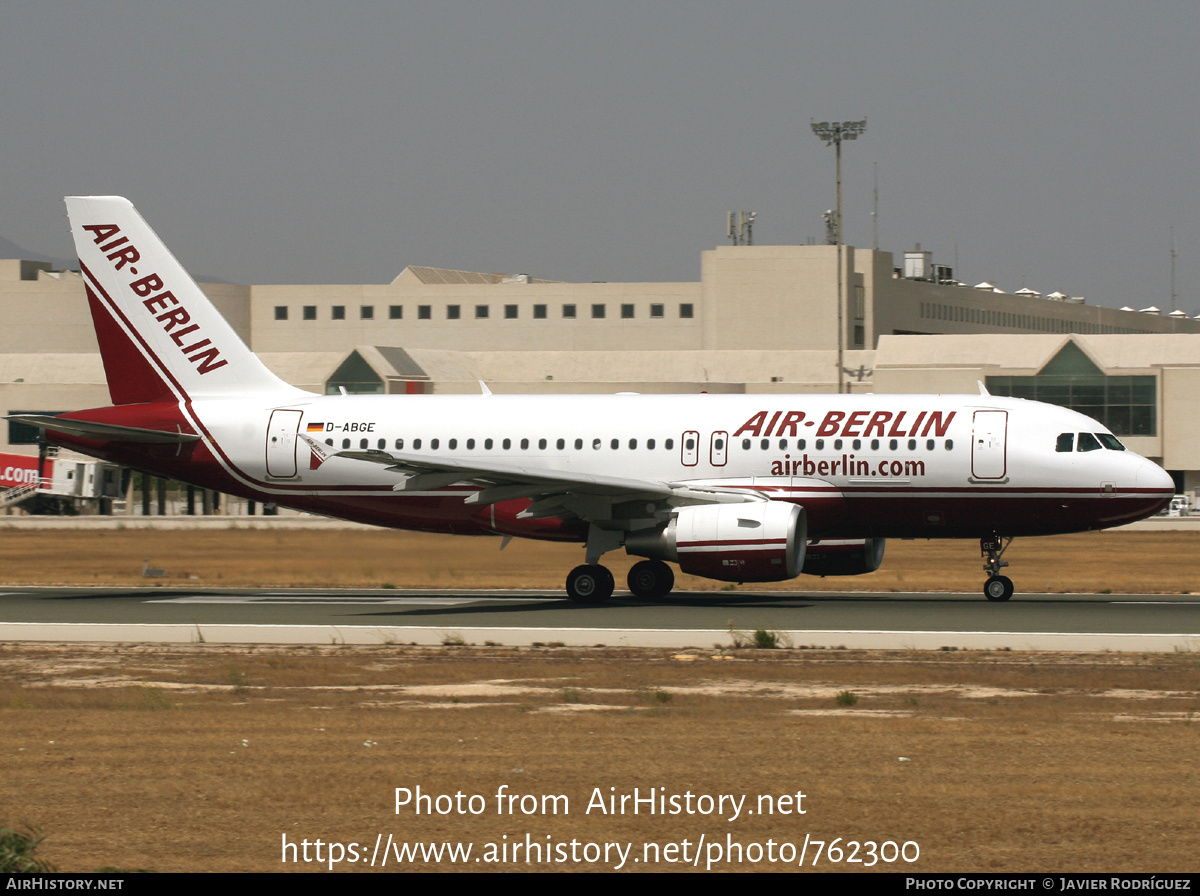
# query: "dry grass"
[[1092, 562], [202, 758]]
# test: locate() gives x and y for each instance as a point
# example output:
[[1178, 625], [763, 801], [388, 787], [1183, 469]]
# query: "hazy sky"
[[1045, 144]]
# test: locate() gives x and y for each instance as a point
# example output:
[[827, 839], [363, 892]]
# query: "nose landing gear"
[[997, 587]]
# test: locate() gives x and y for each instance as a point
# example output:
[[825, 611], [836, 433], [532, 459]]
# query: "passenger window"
[[524, 444], [1088, 442], [416, 444], [857, 443], [912, 444], [561, 443], [433, 444], [633, 444], [837, 444], [615, 444], [470, 444], [766, 444], [949, 444], [819, 445], [345, 443], [329, 442], [1066, 442], [874, 444], [453, 444], [579, 444], [650, 444], [507, 444], [893, 444], [801, 444], [595, 444], [381, 444], [399, 444], [487, 444], [745, 444], [362, 443], [930, 445], [542, 444], [669, 444]]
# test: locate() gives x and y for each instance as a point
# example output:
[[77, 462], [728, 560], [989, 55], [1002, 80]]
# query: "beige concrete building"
[[760, 319]]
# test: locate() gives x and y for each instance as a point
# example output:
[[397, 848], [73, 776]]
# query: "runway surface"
[[802, 619]]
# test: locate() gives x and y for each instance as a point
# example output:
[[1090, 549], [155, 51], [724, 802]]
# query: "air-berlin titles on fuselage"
[[174, 318], [855, 424]]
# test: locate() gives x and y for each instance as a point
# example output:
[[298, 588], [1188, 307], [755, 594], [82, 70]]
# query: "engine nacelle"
[[844, 557], [761, 541]]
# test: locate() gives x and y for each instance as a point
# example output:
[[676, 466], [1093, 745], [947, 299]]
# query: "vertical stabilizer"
[[160, 336]]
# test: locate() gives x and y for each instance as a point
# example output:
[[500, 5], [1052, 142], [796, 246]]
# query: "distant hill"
[[9, 249]]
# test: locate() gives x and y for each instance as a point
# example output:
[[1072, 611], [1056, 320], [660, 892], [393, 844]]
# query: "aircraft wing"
[[554, 492]]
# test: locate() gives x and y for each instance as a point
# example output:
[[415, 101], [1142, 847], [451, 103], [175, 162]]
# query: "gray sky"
[[1049, 144]]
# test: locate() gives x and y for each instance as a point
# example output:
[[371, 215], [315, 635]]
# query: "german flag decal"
[[316, 427]]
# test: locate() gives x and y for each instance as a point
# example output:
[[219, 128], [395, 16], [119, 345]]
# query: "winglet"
[[982, 388], [483, 388]]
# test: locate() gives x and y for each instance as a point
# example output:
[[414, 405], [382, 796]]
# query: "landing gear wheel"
[[651, 579], [998, 588], [590, 584]]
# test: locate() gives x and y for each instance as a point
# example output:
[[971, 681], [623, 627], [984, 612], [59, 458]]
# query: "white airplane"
[[741, 488]]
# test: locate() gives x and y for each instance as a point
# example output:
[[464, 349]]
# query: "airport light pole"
[[833, 133]]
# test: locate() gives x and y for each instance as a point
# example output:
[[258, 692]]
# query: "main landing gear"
[[593, 584], [997, 587]]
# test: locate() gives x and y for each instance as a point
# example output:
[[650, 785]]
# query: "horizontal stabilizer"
[[108, 431]]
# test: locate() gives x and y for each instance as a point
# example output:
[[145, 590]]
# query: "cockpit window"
[[1066, 441], [1109, 441], [1088, 442]]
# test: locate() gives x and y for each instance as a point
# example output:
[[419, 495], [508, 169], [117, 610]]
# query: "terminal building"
[[760, 319]]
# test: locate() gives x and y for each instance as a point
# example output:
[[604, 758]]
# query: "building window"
[[310, 312], [656, 310], [395, 312], [597, 312], [481, 312], [424, 312], [569, 312], [453, 312], [686, 310], [1127, 405], [626, 312], [539, 312], [281, 312], [366, 312], [510, 312], [338, 312]]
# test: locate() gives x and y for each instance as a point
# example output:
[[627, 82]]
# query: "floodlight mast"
[[833, 133]]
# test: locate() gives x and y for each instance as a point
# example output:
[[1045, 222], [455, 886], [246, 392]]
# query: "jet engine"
[[844, 557], [761, 541]]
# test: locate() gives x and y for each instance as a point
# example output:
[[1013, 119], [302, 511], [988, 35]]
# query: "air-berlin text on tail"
[[159, 301], [851, 424]]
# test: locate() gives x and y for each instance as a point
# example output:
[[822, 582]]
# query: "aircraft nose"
[[1151, 475]]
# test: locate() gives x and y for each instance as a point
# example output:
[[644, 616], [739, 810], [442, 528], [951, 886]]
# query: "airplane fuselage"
[[862, 466]]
